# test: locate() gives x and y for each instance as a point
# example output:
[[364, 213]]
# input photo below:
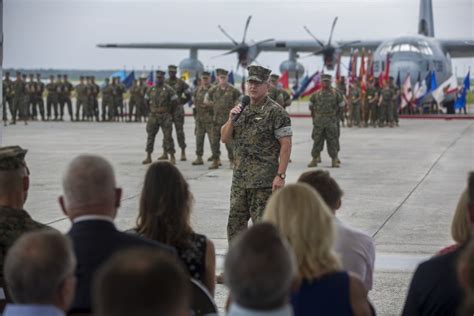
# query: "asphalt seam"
[[422, 180]]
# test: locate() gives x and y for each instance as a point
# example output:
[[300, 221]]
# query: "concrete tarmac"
[[401, 184]]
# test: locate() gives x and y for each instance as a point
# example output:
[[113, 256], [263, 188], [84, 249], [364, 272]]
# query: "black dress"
[[194, 256]]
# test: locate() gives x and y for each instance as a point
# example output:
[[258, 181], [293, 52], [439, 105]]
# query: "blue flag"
[[128, 81], [461, 100], [433, 85], [304, 84], [121, 74], [230, 78]]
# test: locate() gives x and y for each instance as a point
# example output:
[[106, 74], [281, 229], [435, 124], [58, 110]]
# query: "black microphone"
[[243, 103]]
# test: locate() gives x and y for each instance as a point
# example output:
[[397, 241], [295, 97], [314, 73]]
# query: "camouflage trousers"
[[4, 107], [155, 121], [81, 103], [37, 106], [178, 121], [395, 111], [370, 113], [132, 105], [245, 204], [202, 128], [62, 102], [325, 131], [106, 108], [386, 114], [356, 114], [216, 143]]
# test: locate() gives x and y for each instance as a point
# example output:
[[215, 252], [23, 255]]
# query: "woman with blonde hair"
[[303, 218]]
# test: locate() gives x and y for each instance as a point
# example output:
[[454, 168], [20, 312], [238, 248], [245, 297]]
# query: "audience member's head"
[[39, 270], [463, 220], [89, 188], [325, 185], [165, 206], [303, 218], [14, 177], [141, 282], [466, 278], [260, 268]]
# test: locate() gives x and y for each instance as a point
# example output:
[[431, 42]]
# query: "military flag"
[[370, 65], [121, 74], [447, 88], [128, 81], [304, 85], [387, 68], [407, 93], [150, 80], [284, 80], [362, 72], [313, 86], [420, 90], [461, 99], [185, 76]]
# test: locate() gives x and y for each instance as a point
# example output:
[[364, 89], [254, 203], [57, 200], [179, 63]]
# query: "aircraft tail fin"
[[425, 22]]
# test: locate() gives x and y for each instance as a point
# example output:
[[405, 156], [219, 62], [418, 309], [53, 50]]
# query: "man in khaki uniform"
[[222, 97], [162, 99], [203, 116]]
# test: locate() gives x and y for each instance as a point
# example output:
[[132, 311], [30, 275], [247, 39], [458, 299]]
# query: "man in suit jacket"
[[90, 199]]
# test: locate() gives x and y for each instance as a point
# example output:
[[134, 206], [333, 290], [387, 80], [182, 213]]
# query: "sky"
[[64, 33]]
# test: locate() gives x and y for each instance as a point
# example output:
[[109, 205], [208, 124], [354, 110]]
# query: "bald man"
[[91, 199]]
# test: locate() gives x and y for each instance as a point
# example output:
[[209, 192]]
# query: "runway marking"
[[422, 180]]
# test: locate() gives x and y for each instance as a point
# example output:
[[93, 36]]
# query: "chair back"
[[202, 302]]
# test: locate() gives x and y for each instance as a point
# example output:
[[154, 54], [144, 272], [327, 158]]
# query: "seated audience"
[[14, 186], [466, 279], [156, 284], [164, 216], [39, 272], [91, 200], [355, 248], [259, 270], [460, 225], [325, 289], [434, 288]]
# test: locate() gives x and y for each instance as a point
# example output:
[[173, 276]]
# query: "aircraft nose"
[[405, 68]]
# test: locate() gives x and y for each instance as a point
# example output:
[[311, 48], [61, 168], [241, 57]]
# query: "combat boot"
[[198, 161], [215, 164], [219, 162], [183, 155], [147, 159], [335, 163], [172, 159], [318, 158], [211, 158], [313, 163], [164, 156]]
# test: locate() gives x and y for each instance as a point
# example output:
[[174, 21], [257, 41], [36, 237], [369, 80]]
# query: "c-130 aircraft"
[[415, 54]]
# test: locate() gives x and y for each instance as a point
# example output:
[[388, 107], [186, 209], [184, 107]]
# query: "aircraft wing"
[[270, 46], [458, 48]]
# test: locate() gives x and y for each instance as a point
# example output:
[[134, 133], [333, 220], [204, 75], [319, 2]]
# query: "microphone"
[[243, 103]]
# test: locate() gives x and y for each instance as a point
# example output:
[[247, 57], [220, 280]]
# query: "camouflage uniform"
[[394, 105], [184, 95], [276, 96], [118, 89], [142, 108], [386, 113], [256, 137], [7, 89], [107, 106], [371, 105], [355, 100], [64, 98], [134, 100], [286, 98], [222, 101], [325, 106], [204, 116], [52, 100], [13, 222], [81, 100], [162, 100], [39, 102], [30, 88], [89, 104], [95, 90], [18, 99]]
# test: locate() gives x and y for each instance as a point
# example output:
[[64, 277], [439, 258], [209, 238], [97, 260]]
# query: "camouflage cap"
[[160, 73], [12, 157], [258, 73], [221, 71], [274, 77], [326, 77], [173, 68], [205, 74]]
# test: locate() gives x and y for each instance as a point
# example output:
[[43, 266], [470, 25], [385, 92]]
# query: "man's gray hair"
[[260, 268], [88, 181], [37, 265]]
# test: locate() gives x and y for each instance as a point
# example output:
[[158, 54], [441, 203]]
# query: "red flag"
[[362, 71], [370, 66], [381, 81], [354, 66], [387, 69], [284, 80]]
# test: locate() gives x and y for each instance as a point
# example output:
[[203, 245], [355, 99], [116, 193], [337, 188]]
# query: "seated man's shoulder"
[[353, 236], [135, 240]]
